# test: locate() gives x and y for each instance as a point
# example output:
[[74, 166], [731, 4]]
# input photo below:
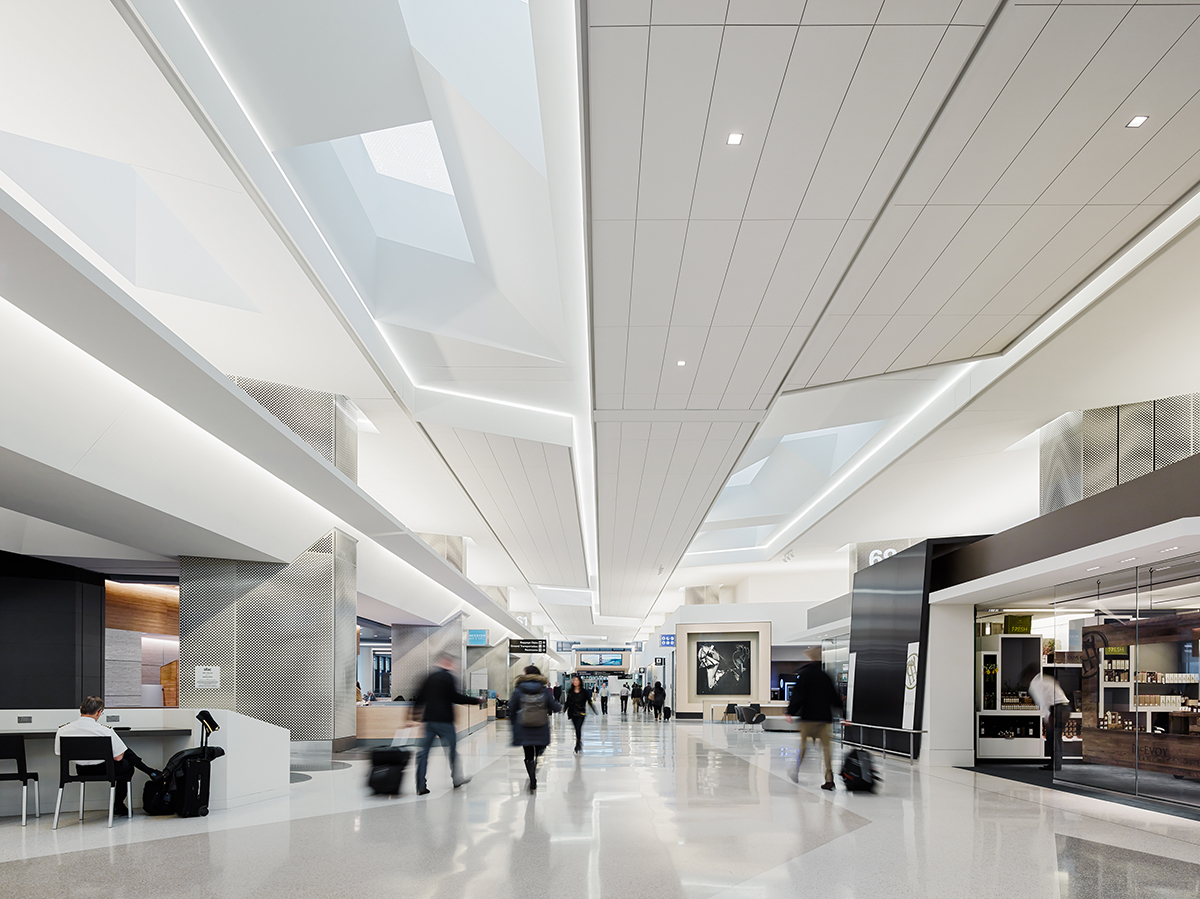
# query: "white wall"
[[949, 713], [806, 585]]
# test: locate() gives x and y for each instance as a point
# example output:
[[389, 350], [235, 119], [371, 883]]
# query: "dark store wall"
[[51, 634]]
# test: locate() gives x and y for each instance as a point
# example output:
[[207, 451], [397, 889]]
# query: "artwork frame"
[[723, 667]]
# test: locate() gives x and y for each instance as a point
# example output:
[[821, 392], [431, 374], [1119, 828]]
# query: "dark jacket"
[[658, 695], [815, 695], [637, 691], [530, 685], [576, 703], [438, 696]]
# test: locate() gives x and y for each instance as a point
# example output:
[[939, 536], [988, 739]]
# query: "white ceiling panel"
[[918, 12], [930, 341], [890, 230], [753, 60], [974, 334], [805, 253], [885, 81], [779, 367], [657, 251], [618, 12], [706, 255], [643, 364], [757, 358], [925, 243], [754, 258], [1134, 49], [897, 335], [679, 83], [684, 344], [1007, 43], [612, 272], [841, 12], [1170, 146], [860, 332], [526, 492], [818, 76], [1006, 335], [616, 92], [977, 238], [822, 338], [688, 12], [608, 349], [721, 354], [764, 12], [1062, 50]]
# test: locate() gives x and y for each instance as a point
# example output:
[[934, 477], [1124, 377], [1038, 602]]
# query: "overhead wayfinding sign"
[[666, 640], [526, 647]]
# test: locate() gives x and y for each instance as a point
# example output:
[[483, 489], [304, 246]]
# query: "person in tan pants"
[[814, 700]]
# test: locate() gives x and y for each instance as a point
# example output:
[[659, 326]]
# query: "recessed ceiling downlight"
[[681, 362], [1138, 121], [735, 138]]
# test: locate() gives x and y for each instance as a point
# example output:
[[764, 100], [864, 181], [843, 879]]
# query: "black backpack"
[[534, 711]]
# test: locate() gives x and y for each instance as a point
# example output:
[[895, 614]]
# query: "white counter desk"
[[255, 765]]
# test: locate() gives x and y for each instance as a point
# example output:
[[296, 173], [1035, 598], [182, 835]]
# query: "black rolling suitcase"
[[858, 772], [666, 713], [183, 787], [387, 768]]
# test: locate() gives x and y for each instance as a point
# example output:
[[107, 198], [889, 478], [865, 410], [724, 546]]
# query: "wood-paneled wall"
[[148, 608]]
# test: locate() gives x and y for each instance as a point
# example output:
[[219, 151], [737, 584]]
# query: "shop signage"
[[208, 677], [911, 665], [526, 647], [477, 637], [1018, 624], [666, 640], [660, 662], [1122, 651]]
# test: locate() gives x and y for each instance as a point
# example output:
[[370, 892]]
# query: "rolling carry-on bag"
[[858, 772], [666, 713], [387, 768]]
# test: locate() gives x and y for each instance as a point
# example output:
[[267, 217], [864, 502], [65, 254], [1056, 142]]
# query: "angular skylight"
[[746, 475], [410, 153]]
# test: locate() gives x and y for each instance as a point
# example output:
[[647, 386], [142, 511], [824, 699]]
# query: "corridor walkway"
[[660, 810]]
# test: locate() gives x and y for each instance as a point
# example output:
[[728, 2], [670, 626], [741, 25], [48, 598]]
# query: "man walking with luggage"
[[814, 698], [435, 701]]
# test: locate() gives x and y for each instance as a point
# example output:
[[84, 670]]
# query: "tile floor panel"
[[649, 809]]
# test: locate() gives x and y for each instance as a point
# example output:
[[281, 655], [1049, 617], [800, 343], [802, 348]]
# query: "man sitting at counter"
[[88, 725]]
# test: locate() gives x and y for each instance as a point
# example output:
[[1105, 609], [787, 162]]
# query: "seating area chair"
[[750, 715], [73, 749], [12, 748], [730, 712]]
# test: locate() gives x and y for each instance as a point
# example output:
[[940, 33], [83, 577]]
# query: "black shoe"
[[462, 783], [1046, 768], [578, 748], [423, 792], [829, 785], [120, 811]]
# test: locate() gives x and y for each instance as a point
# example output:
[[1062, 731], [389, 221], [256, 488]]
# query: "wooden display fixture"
[[168, 676]]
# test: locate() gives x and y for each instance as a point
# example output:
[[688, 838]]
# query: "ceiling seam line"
[[895, 187]]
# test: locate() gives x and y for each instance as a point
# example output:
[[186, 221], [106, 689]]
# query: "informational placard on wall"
[[911, 665], [526, 647], [208, 677]]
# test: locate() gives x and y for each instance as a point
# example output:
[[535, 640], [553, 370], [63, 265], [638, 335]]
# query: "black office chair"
[[730, 711], [12, 747], [72, 749]]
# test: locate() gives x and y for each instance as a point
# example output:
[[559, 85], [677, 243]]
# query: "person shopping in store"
[[529, 709], [815, 697], [1055, 708], [577, 700]]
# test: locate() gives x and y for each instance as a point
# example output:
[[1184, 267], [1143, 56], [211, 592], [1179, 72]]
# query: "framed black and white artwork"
[[723, 667]]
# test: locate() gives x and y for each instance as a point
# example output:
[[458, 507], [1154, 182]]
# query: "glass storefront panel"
[[1124, 650]]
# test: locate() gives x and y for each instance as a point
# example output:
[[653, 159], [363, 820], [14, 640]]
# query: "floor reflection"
[[1090, 870]]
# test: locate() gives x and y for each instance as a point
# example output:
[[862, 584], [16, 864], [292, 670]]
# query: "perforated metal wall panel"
[[1098, 450], [452, 549], [1173, 438], [1060, 462], [1135, 441], [415, 648], [705, 595], [325, 421], [283, 636]]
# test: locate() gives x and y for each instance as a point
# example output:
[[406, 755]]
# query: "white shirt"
[[1045, 691], [85, 726], [625, 691]]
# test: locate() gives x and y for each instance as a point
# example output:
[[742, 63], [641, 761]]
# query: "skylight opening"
[[410, 153]]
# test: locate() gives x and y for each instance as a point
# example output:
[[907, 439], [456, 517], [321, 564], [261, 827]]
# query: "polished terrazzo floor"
[[649, 809]]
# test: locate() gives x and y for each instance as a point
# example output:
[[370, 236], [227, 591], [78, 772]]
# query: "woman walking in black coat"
[[659, 697], [529, 710], [577, 700]]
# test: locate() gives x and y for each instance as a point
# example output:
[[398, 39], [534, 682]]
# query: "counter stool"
[[87, 749], [12, 748]]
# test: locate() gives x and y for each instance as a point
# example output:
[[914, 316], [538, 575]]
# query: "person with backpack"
[[657, 698], [814, 699], [578, 699], [529, 708], [636, 693]]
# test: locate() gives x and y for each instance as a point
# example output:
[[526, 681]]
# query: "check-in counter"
[[379, 721], [255, 765]]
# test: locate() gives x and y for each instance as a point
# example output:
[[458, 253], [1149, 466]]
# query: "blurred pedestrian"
[[624, 698], [529, 710], [577, 700], [658, 698], [814, 699], [434, 703], [636, 695]]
